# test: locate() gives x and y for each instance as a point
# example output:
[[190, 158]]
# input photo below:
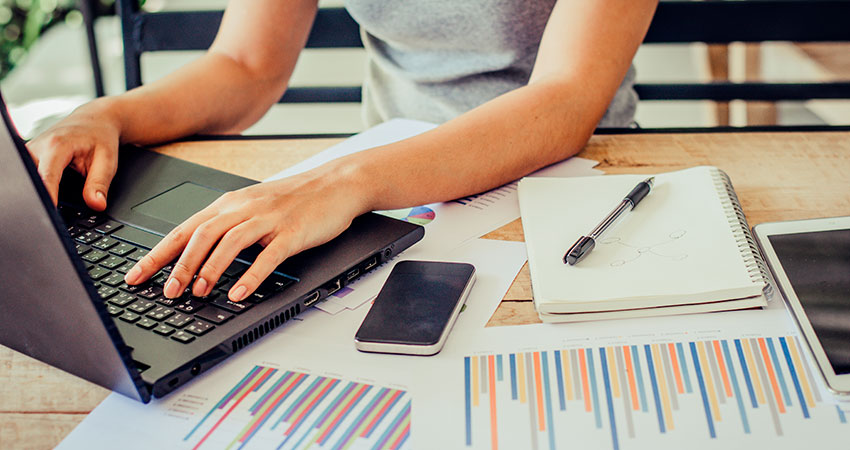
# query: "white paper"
[[436, 388]]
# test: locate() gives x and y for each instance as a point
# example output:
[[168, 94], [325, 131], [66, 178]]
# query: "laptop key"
[[160, 279], [69, 214], [199, 328], [82, 249], [122, 249], [75, 231], [235, 269], [233, 307], [182, 336], [114, 280], [163, 329], [190, 306], [95, 256], [106, 291], [114, 310], [126, 267], [274, 283], [91, 220], [214, 315], [122, 299], [105, 243], [108, 227], [88, 237], [169, 302], [160, 313], [180, 320], [112, 262], [141, 306], [227, 285], [129, 316], [150, 292], [138, 254], [132, 288], [96, 273], [147, 323]]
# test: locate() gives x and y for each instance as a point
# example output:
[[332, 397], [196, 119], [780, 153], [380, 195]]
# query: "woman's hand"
[[87, 140], [285, 216]]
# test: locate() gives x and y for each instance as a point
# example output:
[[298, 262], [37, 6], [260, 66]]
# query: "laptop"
[[61, 273]]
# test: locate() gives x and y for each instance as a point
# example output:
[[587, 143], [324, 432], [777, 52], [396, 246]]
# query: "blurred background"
[[45, 72]]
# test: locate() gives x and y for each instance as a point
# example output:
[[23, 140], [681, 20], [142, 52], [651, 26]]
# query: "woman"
[[516, 84]]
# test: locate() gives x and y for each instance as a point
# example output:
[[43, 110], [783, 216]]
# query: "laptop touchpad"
[[178, 203]]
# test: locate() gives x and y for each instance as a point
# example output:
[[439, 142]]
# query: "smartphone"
[[416, 308]]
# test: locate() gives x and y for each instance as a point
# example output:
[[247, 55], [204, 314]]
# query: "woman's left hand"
[[284, 216]]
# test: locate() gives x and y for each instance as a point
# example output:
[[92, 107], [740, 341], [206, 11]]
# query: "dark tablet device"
[[810, 261]]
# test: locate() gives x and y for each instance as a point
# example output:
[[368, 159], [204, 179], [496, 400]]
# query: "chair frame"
[[711, 22]]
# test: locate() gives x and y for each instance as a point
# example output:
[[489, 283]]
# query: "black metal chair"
[[674, 22]]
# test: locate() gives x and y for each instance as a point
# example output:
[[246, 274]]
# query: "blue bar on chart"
[[611, 396], [294, 410]]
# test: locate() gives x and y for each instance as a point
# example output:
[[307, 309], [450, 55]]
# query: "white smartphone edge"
[[838, 385], [421, 350]]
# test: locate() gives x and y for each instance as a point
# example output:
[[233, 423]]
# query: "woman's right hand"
[[87, 141]]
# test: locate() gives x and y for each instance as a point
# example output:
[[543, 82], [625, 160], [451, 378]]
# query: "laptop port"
[[334, 286], [313, 298], [352, 274], [371, 262]]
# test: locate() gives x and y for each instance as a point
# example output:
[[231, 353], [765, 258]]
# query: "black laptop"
[[62, 293]]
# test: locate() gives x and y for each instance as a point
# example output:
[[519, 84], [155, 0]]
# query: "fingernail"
[[133, 275], [100, 196], [172, 288], [200, 287], [239, 293]]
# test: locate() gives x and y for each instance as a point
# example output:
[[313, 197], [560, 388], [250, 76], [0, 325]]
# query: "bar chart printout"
[[281, 409], [700, 394]]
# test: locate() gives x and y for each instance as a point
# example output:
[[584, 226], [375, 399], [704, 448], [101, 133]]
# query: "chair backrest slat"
[[674, 22]]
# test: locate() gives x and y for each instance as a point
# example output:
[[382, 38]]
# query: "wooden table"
[[778, 176]]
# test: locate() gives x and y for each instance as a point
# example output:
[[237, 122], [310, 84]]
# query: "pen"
[[585, 244]]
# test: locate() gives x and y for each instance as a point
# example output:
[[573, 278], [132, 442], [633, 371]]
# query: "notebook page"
[[676, 246]]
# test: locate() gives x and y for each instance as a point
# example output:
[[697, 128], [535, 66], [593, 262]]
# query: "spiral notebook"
[[685, 248]]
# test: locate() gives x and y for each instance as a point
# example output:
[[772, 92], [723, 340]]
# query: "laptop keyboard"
[[107, 258]]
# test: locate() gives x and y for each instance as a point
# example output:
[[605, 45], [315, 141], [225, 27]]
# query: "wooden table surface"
[[778, 176]]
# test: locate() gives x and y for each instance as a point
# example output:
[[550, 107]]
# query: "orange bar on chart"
[[630, 370], [723, 373], [771, 375], [677, 371], [586, 389]]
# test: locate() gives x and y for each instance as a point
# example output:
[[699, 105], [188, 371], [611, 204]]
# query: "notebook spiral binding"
[[741, 231]]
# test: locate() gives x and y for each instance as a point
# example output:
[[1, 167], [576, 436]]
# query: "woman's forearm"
[[493, 144]]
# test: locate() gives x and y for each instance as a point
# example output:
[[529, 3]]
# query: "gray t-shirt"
[[433, 60]]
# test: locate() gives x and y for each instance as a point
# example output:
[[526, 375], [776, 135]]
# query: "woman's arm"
[[586, 50], [227, 89]]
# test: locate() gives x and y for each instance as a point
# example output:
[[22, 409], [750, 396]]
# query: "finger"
[[50, 168], [32, 154], [266, 262], [233, 242], [167, 249], [99, 176], [202, 241]]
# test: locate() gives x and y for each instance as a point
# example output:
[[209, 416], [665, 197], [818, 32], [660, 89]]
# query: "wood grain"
[[777, 176]]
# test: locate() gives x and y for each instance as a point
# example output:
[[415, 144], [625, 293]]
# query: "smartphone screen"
[[417, 304]]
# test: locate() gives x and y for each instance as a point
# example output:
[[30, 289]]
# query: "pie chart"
[[419, 215]]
